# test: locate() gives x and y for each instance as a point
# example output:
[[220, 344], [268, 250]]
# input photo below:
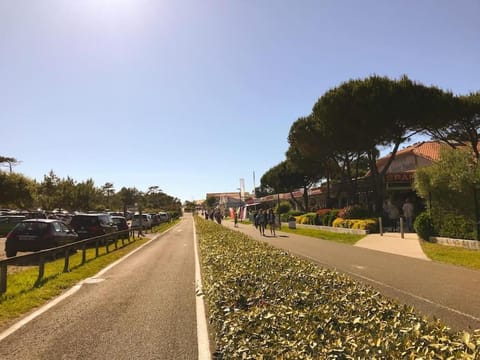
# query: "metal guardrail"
[[39, 258]]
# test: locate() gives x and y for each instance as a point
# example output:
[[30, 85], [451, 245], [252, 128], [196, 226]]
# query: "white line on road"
[[202, 329], [70, 292], [398, 290]]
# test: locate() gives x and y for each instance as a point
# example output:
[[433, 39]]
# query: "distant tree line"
[[340, 140], [20, 192]]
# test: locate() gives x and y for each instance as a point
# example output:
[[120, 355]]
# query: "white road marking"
[[70, 292], [400, 290], [202, 329]]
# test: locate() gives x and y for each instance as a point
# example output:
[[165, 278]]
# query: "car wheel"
[[11, 252]]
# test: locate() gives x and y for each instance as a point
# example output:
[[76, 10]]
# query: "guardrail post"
[[115, 242], [41, 269], [84, 254], [3, 278], [67, 260], [96, 248]]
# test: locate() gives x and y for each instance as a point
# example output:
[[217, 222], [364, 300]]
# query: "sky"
[[192, 96]]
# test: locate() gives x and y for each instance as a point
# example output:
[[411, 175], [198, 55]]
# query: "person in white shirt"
[[407, 210]]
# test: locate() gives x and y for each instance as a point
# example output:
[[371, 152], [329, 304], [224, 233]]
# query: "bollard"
[[380, 226], [401, 228]]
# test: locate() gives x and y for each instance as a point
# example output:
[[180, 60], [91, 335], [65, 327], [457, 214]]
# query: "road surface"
[[142, 308]]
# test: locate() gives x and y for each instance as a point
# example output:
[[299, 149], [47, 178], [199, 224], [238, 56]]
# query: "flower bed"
[[267, 304]]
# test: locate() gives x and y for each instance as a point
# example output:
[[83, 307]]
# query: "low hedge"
[[371, 225], [267, 304]]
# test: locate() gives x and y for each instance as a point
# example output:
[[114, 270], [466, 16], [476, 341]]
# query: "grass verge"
[[452, 255], [325, 235], [267, 304], [23, 294]]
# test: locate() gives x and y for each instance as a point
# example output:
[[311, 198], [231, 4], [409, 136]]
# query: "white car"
[[146, 221], [164, 217]]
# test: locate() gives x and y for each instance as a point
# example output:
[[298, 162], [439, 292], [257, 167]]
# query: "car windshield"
[[31, 228]]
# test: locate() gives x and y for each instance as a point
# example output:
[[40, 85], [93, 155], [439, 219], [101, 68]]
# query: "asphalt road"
[[142, 308], [445, 292]]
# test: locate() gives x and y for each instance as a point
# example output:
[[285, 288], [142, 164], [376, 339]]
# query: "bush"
[[423, 226], [330, 216], [353, 212], [308, 218], [283, 208], [371, 225], [264, 303], [457, 227], [321, 216]]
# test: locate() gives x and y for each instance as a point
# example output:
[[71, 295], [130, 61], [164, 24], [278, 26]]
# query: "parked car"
[[164, 217], [91, 225], [122, 226], [155, 219], [8, 222], [38, 234], [146, 221]]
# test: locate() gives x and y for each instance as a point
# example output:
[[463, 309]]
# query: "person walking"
[[271, 221], [262, 221], [407, 210], [235, 219], [393, 215]]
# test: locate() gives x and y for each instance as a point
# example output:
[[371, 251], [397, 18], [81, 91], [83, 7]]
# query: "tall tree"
[[463, 127], [362, 114], [10, 161], [108, 190], [16, 190]]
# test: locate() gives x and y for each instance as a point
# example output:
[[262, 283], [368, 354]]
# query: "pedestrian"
[[255, 219], [393, 215], [235, 219], [218, 216], [262, 221], [407, 210], [206, 214], [271, 221]]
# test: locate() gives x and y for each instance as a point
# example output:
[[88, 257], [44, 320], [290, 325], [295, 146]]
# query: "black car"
[[122, 225], [92, 225], [38, 234]]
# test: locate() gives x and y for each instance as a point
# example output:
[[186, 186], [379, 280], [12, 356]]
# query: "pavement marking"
[[359, 267], [93, 280], [398, 290], [202, 329], [70, 292]]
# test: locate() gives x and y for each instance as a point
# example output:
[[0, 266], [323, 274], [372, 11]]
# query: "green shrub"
[[330, 216], [295, 213], [423, 226], [264, 303], [457, 227], [283, 208], [371, 225], [353, 212]]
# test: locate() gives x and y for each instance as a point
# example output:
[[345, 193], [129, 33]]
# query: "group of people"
[[263, 218], [215, 214], [392, 213]]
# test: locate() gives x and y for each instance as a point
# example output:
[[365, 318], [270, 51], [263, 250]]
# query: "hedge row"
[[267, 304], [371, 225]]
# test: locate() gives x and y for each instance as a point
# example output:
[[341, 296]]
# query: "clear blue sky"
[[193, 95]]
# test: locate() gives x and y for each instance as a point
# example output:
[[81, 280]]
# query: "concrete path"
[[393, 243]]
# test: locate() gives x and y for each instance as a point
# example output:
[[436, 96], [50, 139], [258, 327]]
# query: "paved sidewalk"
[[393, 243], [390, 242]]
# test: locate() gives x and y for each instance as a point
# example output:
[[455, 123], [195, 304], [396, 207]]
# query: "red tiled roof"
[[429, 150]]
